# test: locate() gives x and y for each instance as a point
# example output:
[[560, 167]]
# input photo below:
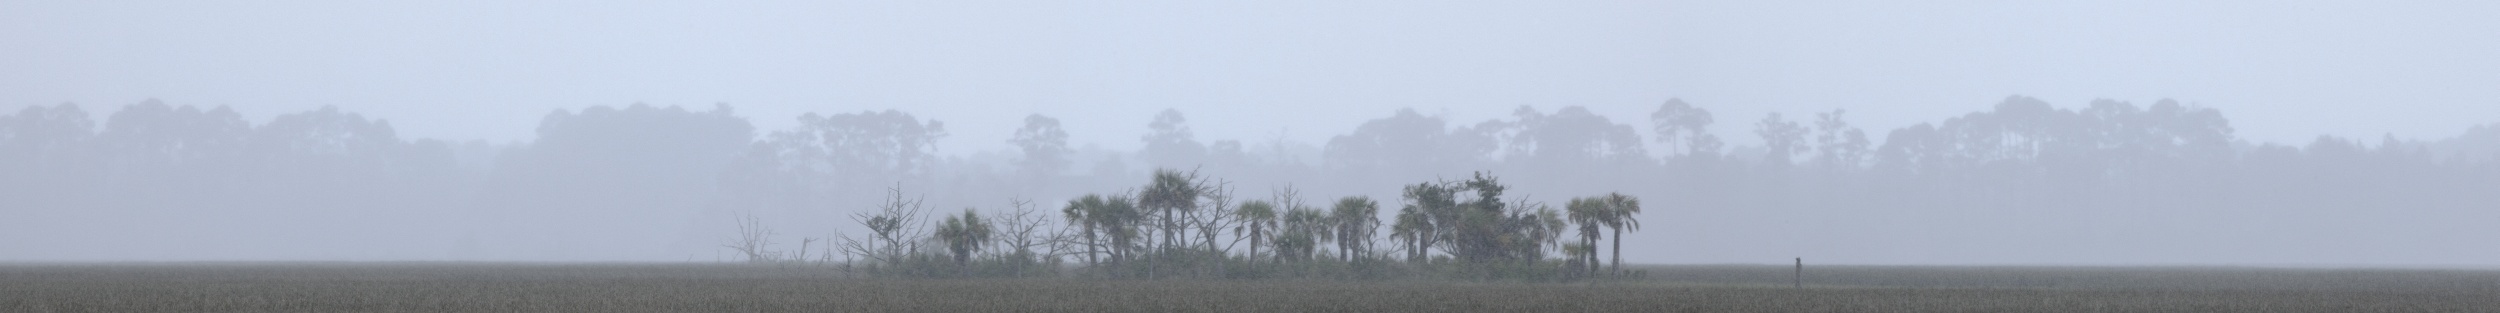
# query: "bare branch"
[[753, 238]]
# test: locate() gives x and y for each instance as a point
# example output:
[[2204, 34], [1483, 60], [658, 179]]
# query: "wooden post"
[[1798, 279]]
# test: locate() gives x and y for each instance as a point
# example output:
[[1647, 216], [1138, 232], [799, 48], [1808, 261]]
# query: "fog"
[[2227, 133], [2109, 182]]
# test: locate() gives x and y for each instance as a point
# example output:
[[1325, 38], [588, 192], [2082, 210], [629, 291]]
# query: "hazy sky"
[[2283, 71]]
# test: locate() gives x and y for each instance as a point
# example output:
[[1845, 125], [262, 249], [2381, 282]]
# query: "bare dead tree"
[[753, 238], [1022, 230], [1215, 216], [834, 249], [803, 244], [1065, 243], [895, 229], [1286, 198]]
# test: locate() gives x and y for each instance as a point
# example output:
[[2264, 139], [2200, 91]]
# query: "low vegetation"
[[474, 287]]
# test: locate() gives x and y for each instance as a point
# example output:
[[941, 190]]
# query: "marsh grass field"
[[488, 287]]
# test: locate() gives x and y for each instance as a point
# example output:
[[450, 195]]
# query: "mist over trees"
[[161, 181], [596, 184], [2021, 182]]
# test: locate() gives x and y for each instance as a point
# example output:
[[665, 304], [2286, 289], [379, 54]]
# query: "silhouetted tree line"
[[665, 183], [155, 180], [1181, 224]]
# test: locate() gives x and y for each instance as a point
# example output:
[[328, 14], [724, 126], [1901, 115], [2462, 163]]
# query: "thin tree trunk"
[[1345, 248], [1254, 244], [1593, 261], [1618, 270], [1416, 251], [1154, 252], [1219, 256]]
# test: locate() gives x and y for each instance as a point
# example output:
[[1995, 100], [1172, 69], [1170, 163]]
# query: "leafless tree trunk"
[[753, 238], [895, 229], [803, 244], [1211, 219], [1022, 230], [1287, 199]]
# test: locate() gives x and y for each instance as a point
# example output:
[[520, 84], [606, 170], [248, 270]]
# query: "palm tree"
[[1257, 219], [1304, 229], [1080, 213], [1438, 217], [1355, 218], [1579, 258], [1111, 218], [1169, 195], [1620, 211], [1550, 226], [1119, 219], [1590, 214], [1412, 227], [964, 235]]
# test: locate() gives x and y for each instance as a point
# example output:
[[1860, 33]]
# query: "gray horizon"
[[2256, 133]]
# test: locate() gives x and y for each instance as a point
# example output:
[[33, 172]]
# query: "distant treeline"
[[1181, 224], [2101, 183]]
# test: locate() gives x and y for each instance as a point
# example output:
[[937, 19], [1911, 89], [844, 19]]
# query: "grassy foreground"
[[465, 287]]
